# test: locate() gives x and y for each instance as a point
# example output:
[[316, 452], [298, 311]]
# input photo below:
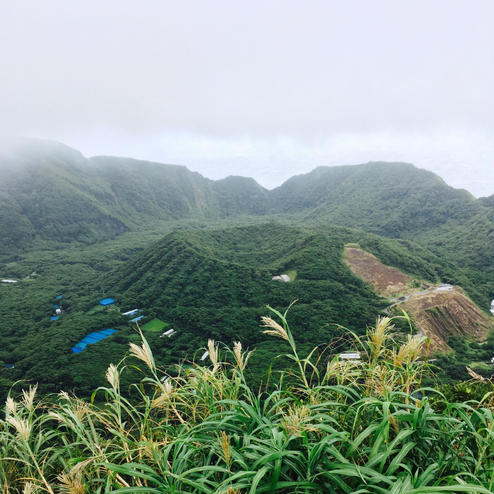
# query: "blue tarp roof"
[[136, 319], [56, 306], [9, 366], [107, 301], [108, 331], [58, 297], [93, 337], [54, 318]]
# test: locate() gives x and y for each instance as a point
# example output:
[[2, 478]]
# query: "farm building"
[[132, 312], [444, 287], [91, 338], [168, 333], [282, 277]]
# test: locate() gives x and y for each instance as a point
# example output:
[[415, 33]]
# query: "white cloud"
[[462, 159], [260, 88]]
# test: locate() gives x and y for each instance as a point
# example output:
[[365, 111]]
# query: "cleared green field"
[[155, 325], [97, 308]]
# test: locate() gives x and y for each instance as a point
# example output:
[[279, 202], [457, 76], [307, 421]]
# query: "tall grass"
[[327, 427]]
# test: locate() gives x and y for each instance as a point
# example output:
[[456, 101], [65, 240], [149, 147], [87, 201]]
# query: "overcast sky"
[[266, 89]]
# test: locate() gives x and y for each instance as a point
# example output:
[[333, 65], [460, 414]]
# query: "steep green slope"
[[391, 199], [215, 283], [398, 200], [200, 277], [51, 194], [207, 284]]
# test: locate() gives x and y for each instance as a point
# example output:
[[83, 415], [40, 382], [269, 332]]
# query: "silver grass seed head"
[[10, 406], [30, 488], [213, 352], [142, 353], [21, 425], [28, 397], [112, 376], [277, 330]]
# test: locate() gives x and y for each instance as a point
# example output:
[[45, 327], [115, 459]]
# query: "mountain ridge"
[[51, 195]]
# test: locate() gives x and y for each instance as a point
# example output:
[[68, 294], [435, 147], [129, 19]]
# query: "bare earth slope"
[[438, 311], [441, 314], [386, 280]]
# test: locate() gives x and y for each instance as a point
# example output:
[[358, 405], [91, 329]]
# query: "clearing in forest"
[[155, 325], [386, 280]]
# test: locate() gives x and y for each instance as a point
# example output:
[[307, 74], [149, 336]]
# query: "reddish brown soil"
[[442, 314], [385, 280]]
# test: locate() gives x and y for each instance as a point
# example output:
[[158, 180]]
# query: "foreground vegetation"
[[326, 426]]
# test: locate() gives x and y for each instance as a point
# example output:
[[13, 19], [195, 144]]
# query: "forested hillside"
[[51, 193], [398, 200], [168, 241], [204, 284]]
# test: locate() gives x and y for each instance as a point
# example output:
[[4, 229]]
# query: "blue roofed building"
[[91, 338]]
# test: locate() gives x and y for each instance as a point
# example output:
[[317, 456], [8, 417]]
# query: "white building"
[[444, 287], [168, 333], [350, 356], [130, 312], [282, 277]]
